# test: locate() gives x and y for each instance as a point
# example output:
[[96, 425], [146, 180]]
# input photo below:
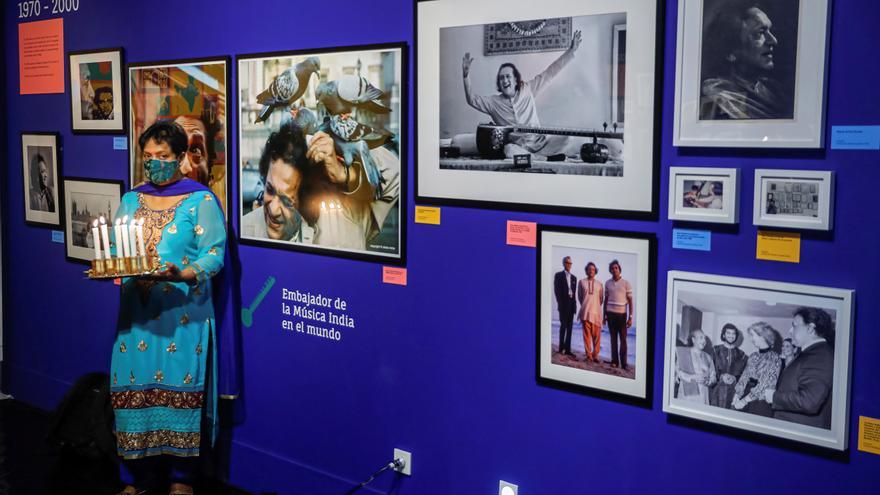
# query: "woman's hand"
[[171, 273]]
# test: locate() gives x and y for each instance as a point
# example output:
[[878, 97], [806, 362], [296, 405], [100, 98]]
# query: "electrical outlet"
[[406, 469], [505, 488]]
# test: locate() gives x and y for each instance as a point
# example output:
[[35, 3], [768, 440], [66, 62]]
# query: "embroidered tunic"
[[165, 330]]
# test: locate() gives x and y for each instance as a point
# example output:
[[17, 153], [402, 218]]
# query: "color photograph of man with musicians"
[[542, 96]]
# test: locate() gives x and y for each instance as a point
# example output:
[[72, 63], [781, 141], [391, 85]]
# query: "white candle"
[[117, 238], [105, 238], [140, 237], [132, 242], [123, 231], [96, 240]]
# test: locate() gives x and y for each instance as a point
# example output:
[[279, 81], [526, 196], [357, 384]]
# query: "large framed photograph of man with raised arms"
[[751, 73], [321, 151], [191, 93], [768, 357], [546, 106], [594, 310], [97, 97], [41, 170]]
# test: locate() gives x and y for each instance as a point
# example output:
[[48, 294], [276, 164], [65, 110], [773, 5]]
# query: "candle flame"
[[125, 219], [118, 222], [141, 221], [323, 205], [102, 220], [95, 223]]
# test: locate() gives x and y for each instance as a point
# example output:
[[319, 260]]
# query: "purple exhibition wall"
[[444, 367]]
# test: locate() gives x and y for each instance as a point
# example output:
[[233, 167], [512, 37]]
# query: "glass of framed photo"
[[751, 75], [41, 168], [85, 202], [594, 304], [795, 199], [192, 93], [704, 194], [343, 112], [546, 106], [767, 357], [97, 99]]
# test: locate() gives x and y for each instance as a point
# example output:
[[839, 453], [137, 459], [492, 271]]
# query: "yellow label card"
[[869, 435], [428, 214], [779, 246]]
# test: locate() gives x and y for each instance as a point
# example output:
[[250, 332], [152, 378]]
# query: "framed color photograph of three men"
[[541, 106]]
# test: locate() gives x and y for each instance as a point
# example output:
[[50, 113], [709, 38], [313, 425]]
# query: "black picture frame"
[[68, 234], [651, 214], [120, 103], [639, 392], [33, 217], [403, 136]]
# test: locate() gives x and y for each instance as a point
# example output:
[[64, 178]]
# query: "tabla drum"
[[491, 140]]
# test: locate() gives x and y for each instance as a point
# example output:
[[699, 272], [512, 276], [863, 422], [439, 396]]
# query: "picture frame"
[[621, 366], [574, 159], [86, 200], [794, 199], [97, 95], [324, 219], [703, 194], [195, 94], [785, 107], [807, 378], [41, 170]]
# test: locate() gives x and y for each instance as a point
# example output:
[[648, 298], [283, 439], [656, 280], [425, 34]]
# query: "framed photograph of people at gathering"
[[321, 151], [768, 357], [540, 106], [794, 199], [97, 99], [751, 73], [702, 194], [193, 94], [86, 201], [594, 299], [41, 168]]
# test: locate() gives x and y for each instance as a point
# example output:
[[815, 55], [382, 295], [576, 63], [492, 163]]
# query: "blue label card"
[[58, 236], [120, 143], [855, 137], [695, 240]]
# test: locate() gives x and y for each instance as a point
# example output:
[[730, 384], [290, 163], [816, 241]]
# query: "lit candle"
[[132, 241], [105, 238], [140, 236], [96, 240], [117, 238], [123, 231]]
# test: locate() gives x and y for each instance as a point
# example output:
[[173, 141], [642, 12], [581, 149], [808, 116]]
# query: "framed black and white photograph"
[[795, 199], [768, 357], [594, 305], [701, 194], [322, 149], [97, 99], [542, 106], [751, 74], [85, 202], [41, 164]]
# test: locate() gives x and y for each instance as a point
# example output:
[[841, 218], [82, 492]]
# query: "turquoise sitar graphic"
[[247, 314]]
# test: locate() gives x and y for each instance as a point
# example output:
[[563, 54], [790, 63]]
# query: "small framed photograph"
[[704, 194], [41, 168], [594, 310], [751, 75], [193, 94], [767, 357], [97, 99], [541, 106], [794, 199], [85, 202]]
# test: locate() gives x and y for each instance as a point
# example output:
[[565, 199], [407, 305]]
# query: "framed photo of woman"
[[767, 357]]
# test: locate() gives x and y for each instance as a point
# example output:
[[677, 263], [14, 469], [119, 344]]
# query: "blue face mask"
[[159, 171]]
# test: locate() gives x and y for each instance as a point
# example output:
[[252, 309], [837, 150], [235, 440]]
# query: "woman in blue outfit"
[[162, 379]]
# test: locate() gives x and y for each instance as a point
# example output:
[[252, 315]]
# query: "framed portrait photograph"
[[768, 357], [321, 151], [700, 194], [751, 74], [193, 94], [41, 168], [795, 199], [97, 99], [85, 202], [594, 305], [540, 106]]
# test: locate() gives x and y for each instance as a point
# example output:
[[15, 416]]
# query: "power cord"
[[396, 464]]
